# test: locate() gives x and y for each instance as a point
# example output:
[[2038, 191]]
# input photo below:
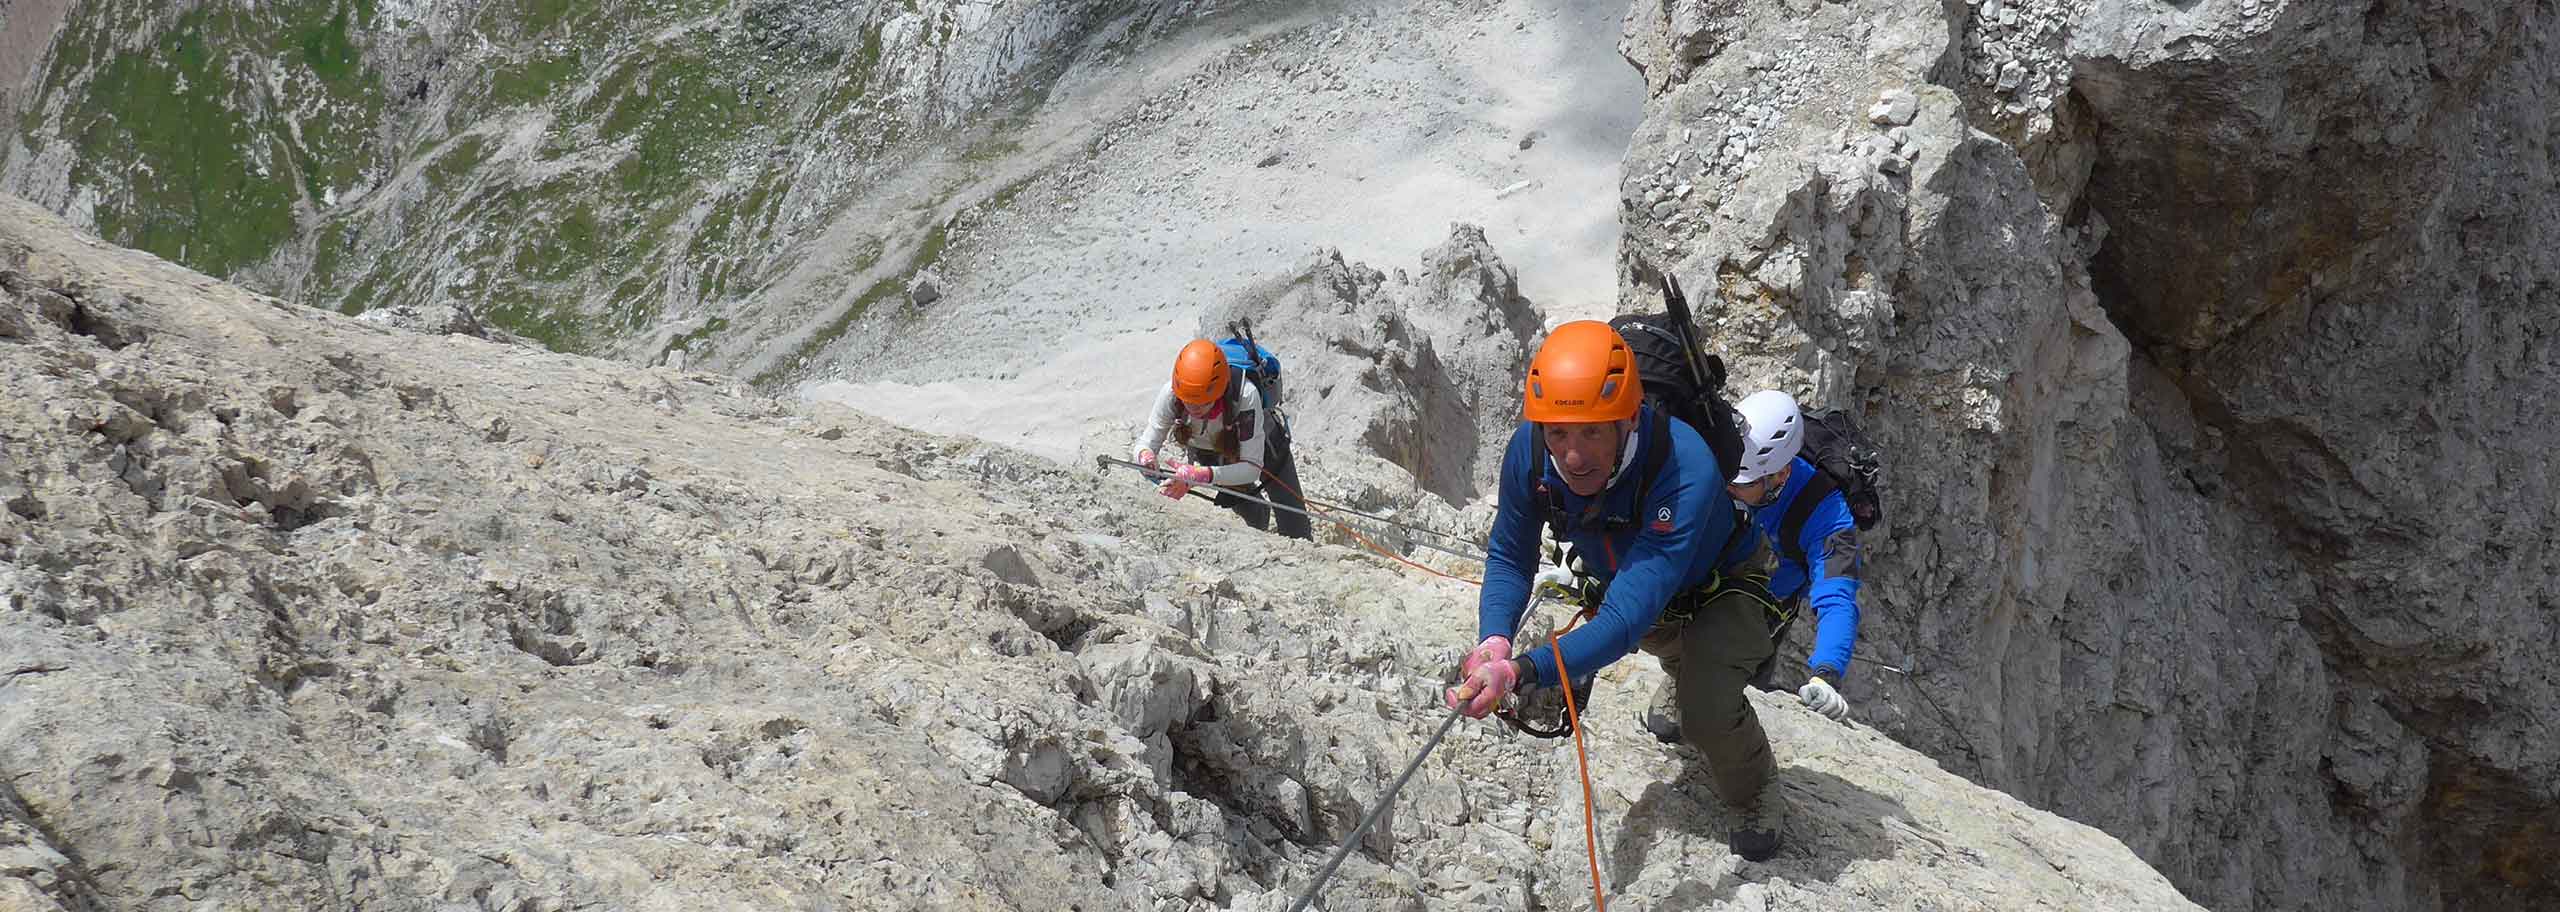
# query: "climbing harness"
[[1543, 712]]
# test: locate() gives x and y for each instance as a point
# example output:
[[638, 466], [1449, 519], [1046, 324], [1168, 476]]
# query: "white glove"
[[1558, 577], [1819, 697]]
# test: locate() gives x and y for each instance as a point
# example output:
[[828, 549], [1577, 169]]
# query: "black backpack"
[[1676, 389], [1848, 463], [1680, 381]]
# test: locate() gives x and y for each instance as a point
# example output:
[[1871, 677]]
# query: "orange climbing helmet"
[[1582, 374], [1200, 373]]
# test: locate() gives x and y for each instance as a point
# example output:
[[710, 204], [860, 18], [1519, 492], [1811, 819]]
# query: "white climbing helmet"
[[1772, 434]]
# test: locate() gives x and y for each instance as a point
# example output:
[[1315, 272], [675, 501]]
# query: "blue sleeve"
[[1511, 555], [1654, 569], [1832, 558]]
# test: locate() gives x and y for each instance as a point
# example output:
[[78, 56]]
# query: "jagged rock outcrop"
[[439, 319], [298, 612], [2208, 341], [1417, 370], [34, 873]]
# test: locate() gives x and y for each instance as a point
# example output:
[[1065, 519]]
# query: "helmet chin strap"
[[1626, 457]]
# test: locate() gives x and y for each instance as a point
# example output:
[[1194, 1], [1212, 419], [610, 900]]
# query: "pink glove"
[[1184, 476], [1145, 457], [1484, 688], [1493, 649]]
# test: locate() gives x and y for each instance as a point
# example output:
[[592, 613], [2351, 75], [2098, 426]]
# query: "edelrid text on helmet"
[[1200, 373], [1582, 374]]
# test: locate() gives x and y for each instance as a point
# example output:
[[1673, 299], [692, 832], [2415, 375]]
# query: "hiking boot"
[[1662, 717], [1755, 838]]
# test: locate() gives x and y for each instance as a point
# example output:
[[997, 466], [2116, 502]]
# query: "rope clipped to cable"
[[1354, 532]]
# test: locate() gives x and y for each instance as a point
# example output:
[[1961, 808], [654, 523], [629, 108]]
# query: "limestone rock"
[[438, 319], [924, 289]]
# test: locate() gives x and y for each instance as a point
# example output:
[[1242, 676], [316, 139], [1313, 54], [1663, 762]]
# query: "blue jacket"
[[1671, 546], [1830, 545]]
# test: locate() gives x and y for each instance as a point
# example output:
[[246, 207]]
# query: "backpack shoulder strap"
[[1550, 504], [1660, 430], [1791, 528]]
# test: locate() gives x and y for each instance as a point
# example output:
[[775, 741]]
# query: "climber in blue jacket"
[[1821, 563], [1638, 494]]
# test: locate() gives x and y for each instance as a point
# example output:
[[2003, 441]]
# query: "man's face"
[[1587, 453], [1762, 491]]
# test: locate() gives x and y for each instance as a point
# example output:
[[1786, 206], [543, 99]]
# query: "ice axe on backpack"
[[1709, 369]]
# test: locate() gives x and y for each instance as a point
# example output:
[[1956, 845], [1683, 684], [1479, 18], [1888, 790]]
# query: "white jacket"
[[1244, 411]]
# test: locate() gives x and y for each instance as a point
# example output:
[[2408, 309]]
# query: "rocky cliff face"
[[2209, 340], [301, 612]]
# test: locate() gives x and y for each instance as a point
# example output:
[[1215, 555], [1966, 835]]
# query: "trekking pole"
[[1385, 801], [1105, 462]]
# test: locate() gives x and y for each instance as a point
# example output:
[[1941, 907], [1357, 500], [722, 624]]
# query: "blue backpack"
[[1264, 371]]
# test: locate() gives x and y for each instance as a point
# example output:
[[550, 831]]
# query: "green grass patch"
[[327, 50], [996, 145], [689, 113], [611, 105], [456, 160], [532, 80], [651, 239], [72, 52], [930, 251], [1003, 199], [696, 336], [166, 124], [539, 17], [632, 304], [880, 291], [361, 297], [341, 109], [556, 251], [326, 254], [529, 313]]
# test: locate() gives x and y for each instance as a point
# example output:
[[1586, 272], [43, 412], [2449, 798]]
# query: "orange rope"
[[1590, 827]]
